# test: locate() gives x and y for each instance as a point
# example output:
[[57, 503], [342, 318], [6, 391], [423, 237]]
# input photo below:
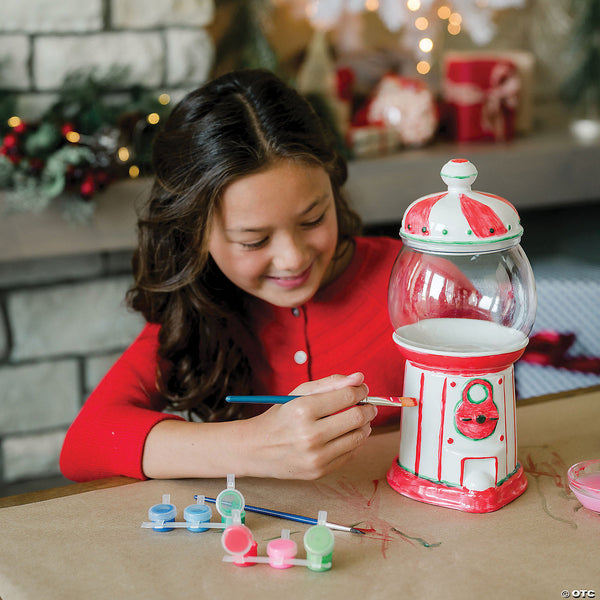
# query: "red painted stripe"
[[417, 217], [505, 426], [498, 198], [419, 422], [514, 413], [441, 438], [483, 221]]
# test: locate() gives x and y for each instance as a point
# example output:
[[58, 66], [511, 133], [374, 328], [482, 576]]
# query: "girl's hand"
[[311, 436]]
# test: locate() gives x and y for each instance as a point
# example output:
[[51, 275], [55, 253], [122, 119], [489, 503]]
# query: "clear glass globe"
[[461, 302]]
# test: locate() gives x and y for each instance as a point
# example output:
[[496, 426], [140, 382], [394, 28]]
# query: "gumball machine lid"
[[460, 220]]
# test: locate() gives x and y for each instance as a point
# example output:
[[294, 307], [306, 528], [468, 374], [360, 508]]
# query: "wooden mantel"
[[542, 170]]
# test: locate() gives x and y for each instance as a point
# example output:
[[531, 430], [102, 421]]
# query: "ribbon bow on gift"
[[549, 348], [505, 86], [503, 93]]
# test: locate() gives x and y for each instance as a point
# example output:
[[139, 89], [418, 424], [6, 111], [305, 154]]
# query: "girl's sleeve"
[[107, 437]]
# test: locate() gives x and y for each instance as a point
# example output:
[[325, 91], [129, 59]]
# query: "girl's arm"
[[107, 437], [302, 439]]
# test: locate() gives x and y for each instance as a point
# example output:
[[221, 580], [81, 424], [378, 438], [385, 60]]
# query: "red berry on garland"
[[10, 140], [88, 187], [67, 128], [20, 128]]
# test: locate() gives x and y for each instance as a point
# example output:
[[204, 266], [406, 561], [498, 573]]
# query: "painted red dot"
[[501, 438], [500, 381], [453, 384], [450, 441], [459, 160]]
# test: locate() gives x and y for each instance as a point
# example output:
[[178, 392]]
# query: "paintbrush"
[[292, 517], [395, 401]]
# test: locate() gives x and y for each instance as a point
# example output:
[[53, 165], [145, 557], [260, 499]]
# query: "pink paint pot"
[[280, 553], [584, 481]]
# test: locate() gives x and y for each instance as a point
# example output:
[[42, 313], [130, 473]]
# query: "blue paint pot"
[[197, 513]]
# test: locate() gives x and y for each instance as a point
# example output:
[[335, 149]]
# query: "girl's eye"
[[254, 245], [314, 223]]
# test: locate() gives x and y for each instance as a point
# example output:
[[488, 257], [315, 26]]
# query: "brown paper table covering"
[[91, 545]]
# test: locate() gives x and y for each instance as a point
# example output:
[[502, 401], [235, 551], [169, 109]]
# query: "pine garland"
[[82, 142]]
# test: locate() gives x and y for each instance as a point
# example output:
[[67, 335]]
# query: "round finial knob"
[[459, 173]]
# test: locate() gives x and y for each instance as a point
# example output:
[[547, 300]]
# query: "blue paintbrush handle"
[[260, 399], [392, 401], [275, 513]]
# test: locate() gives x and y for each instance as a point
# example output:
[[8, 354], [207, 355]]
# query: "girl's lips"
[[291, 282]]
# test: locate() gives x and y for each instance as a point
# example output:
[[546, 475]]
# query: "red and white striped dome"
[[461, 220]]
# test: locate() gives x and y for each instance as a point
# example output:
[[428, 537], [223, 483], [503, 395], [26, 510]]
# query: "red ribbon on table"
[[549, 348]]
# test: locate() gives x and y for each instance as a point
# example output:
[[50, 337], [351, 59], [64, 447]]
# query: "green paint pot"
[[318, 543]]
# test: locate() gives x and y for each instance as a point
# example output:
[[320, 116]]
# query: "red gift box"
[[481, 96]]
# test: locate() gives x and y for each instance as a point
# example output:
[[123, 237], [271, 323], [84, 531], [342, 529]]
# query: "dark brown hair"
[[236, 125]]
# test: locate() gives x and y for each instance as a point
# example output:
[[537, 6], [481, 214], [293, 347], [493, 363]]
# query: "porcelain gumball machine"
[[462, 302]]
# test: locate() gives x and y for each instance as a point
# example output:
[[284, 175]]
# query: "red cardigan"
[[344, 328]]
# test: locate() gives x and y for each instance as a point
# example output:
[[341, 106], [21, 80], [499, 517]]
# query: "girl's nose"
[[289, 254]]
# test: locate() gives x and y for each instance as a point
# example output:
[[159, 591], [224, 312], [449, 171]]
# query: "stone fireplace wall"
[[163, 43], [63, 321]]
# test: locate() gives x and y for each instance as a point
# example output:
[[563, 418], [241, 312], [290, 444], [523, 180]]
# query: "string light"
[[123, 154], [453, 29], [73, 137], [455, 19], [421, 23], [413, 5], [153, 118], [134, 171], [423, 67], [164, 99], [14, 121], [444, 12], [426, 45]]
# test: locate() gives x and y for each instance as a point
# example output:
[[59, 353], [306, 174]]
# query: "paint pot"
[[229, 501], [281, 551], [584, 481], [238, 541], [195, 514], [164, 512], [318, 543]]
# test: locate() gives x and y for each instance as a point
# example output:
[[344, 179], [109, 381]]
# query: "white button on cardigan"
[[300, 357]]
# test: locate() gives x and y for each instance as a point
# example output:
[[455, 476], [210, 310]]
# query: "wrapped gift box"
[[564, 351], [372, 140], [481, 96]]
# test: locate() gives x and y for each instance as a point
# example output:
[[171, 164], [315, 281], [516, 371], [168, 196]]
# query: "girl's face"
[[275, 233]]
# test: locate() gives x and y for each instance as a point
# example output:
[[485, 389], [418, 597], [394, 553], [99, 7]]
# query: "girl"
[[252, 280]]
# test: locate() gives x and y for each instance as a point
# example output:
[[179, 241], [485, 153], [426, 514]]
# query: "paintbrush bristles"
[[396, 401]]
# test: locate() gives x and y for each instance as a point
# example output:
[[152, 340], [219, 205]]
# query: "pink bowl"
[[584, 481]]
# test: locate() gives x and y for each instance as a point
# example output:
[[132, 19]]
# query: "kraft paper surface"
[[91, 545]]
